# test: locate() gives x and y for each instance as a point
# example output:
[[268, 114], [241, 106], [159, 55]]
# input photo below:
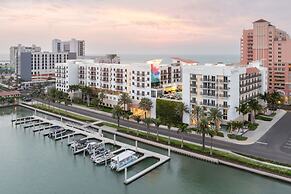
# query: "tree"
[[117, 112], [254, 107], [211, 133], [101, 97], [146, 105], [137, 118], [215, 116], [124, 100], [169, 124], [157, 122], [74, 88], [147, 122], [183, 128], [230, 126], [95, 102], [87, 92], [181, 109], [203, 129], [243, 109], [197, 113]]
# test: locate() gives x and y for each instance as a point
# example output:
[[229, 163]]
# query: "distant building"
[[271, 45], [41, 65], [15, 53], [71, 46], [222, 86]]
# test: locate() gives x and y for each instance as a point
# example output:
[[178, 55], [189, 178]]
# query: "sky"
[[138, 26]]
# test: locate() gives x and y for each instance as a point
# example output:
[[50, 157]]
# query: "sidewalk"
[[254, 136]]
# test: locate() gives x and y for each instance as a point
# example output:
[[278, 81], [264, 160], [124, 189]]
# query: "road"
[[275, 145]]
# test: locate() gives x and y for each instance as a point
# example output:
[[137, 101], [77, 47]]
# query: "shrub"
[[264, 118], [237, 137], [220, 134], [252, 126], [231, 136], [241, 138]]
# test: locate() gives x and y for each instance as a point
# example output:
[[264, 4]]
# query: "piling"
[[125, 174]]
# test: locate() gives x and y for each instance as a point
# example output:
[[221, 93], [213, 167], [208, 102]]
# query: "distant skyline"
[[138, 27]]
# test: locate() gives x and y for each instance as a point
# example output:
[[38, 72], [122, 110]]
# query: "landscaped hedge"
[[166, 110], [264, 118], [219, 134], [253, 126], [237, 137]]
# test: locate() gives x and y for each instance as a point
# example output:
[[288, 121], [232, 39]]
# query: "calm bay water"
[[32, 164]]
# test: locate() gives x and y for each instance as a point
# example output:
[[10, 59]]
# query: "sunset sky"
[[138, 26]]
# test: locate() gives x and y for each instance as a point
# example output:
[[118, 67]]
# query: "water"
[[167, 58], [35, 165]]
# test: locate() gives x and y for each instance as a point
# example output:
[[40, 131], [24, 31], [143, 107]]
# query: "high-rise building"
[[15, 53], [272, 46], [71, 46]]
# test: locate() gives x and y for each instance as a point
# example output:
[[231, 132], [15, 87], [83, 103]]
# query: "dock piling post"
[[114, 137], [84, 153], [169, 151], [61, 118], [125, 174], [68, 138], [35, 112], [136, 145], [105, 160]]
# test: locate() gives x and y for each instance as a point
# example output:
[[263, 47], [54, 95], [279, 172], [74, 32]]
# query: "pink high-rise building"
[[272, 46]]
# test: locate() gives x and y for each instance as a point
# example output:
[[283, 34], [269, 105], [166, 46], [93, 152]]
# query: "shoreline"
[[184, 152]]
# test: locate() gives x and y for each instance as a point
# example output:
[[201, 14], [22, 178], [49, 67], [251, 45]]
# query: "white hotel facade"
[[222, 86]]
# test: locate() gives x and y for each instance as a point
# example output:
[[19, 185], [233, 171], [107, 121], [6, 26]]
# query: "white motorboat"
[[123, 159]]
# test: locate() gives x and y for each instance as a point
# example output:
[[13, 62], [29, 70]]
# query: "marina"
[[93, 143], [36, 164]]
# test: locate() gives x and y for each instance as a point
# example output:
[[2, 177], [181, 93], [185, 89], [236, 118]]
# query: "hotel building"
[[71, 46], [15, 55], [222, 86], [272, 46], [139, 80]]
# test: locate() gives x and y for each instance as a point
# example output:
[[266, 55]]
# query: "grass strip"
[[63, 113], [227, 156]]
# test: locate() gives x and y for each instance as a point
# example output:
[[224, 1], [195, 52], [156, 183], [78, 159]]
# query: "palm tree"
[[96, 101], [73, 88], [146, 105], [181, 108], [215, 116], [169, 126], [124, 100], [147, 122], [211, 133], [254, 107], [101, 97], [157, 122], [117, 112], [197, 113], [243, 109], [183, 128], [137, 118], [87, 91], [230, 126], [203, 129]]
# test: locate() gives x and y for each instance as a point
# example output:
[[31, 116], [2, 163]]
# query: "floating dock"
[[33, 121]]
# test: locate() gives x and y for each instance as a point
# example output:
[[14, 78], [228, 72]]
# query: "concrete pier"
[[89, 134]]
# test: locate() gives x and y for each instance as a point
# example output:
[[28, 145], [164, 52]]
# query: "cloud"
[[137, 26]]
